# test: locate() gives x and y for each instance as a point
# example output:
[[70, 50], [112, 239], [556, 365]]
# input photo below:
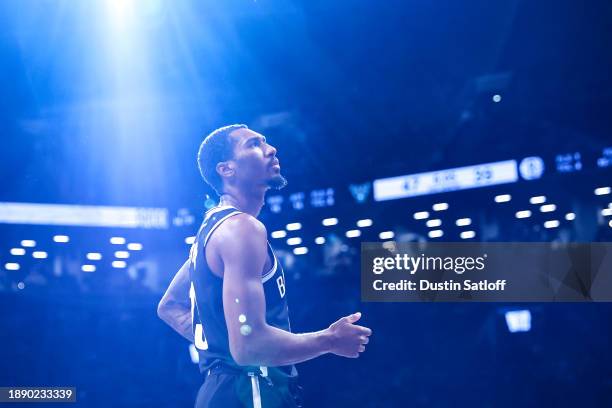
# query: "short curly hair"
[[217, 147]]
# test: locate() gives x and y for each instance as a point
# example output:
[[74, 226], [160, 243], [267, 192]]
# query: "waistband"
[[219, 367]]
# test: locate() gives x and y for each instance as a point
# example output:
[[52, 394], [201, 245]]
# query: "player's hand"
[[348, 339]]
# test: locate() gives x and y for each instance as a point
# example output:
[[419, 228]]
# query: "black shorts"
[[226, 389]]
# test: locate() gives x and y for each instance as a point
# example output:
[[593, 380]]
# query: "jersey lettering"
[[280, 282], [199, 337]]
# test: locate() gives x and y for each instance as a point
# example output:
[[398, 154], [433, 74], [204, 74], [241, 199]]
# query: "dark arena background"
[[103, 105]]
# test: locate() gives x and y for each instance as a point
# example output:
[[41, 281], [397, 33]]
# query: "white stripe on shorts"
[[255, 388]]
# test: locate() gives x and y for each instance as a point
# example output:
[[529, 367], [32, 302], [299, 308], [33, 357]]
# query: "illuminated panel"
[[83, 215], [459, 178]]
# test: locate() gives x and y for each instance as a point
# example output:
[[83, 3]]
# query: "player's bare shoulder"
[[241, 225]]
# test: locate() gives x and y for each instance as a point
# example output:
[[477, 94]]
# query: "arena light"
[[328, 222], [294, 226], [122, 254], [83, 215], [28, 243], [462, 222], [39, 255], [421, 215], [294, 241], [94, 256], [434, 223], [467, 234], [62, 239], [523, 214], [319, 240], [119, 264], [190, 240], [518, 321], [502, 198], [602, 190], [134, 246], [440, 206], [88, 268], [300, 250], [570, 216], [435, 233], [17, 251], [606, 212], [279, 234], [117, 240], [11, 266], [353, 233], [364, 223], [548, 208], [537, 199], [551, 224], [386, 235]]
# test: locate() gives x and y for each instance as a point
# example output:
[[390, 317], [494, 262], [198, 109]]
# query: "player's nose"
[[271, 150]]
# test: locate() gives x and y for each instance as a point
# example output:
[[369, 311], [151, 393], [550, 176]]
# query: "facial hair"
[[277, 182]]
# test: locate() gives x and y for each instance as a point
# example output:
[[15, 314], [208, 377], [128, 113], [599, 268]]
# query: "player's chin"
[[277, 182]]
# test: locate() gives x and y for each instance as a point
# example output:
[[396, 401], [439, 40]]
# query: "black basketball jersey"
[[206, 293]]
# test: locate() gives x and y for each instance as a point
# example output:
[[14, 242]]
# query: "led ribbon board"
[[83, 215], [460, 178]]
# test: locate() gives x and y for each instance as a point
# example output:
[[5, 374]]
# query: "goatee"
[[277, 182]]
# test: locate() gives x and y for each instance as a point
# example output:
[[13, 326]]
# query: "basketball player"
[[237, 316]]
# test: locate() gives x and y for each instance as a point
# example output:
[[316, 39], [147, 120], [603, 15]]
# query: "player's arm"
[[252, 341], [174, 307]]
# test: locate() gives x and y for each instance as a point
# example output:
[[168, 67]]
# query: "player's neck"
[[249, 203]]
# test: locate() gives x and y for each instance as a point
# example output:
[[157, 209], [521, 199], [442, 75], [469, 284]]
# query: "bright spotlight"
[[435, 233], [134, 246], [467, 234], [300, 250], [122, 254], [294, 241], [278, 234], [353, 233], [328, 222], [386, 235], [462, 222], [364, 223], [537, 199], [440, 206], [421, 215], [39, 255], [294, 226], [523, 214], [518, 321], [94, 256], [503, 198]]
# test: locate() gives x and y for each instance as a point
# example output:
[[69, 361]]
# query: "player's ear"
[[226, 168]]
